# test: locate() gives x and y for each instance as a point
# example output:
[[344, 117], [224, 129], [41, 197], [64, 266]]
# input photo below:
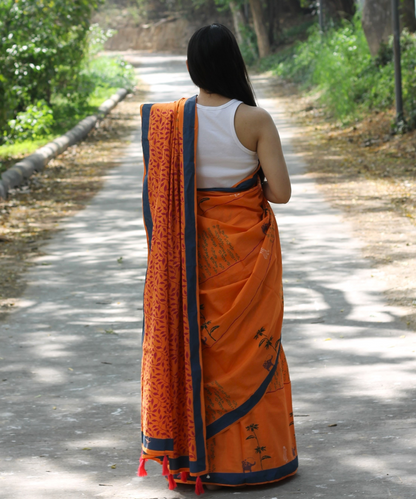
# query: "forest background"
[[52, 73]]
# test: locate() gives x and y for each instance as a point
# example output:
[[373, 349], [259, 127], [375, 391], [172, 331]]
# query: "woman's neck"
[[214, 100]]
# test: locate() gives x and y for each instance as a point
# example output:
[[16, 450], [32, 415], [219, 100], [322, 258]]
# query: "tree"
[[377, 23], [260, 27], [42, 45], [239, 20], [408, 14]]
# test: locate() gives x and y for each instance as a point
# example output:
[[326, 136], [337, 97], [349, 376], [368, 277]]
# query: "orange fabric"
[[241, 299], [244, 396], [167, 391]]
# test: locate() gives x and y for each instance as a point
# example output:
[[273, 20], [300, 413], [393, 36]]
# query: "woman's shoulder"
[[253, 114], [251, 123]]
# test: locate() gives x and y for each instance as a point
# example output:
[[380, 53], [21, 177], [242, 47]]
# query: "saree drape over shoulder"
[[216, 395]]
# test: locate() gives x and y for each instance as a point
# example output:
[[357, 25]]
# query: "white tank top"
[[221, 159]]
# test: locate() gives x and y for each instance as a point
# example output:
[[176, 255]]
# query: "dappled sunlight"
[[352, 361], [70, 409]]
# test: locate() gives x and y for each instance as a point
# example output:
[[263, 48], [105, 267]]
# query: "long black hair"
[[216, 64]]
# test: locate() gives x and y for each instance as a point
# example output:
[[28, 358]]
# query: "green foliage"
[[42, 46], [298, 31], [248, 48], [49, 67], [409, 76], [97, 38], [109, 72], [339, 64], [34, 123]]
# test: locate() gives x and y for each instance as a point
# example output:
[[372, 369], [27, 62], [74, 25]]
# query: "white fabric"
[[221, 159]]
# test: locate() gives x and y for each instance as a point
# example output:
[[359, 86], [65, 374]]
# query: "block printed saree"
[[216, 394]]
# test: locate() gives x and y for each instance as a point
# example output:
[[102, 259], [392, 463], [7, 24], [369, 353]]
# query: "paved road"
[[70, 354]]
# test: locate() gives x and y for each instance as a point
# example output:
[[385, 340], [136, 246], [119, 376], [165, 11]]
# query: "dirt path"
[[369, 175], [71, 349], [31, 215]]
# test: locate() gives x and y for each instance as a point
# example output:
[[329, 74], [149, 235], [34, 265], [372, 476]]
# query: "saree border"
[[243, 186], [147, 215], [191, 252], [233, 416], [157, 444], [253, 477]]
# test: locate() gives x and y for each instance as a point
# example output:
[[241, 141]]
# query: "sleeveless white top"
[[221, 159]]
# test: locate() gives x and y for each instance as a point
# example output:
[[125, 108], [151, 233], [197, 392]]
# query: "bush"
[[340, 65], [50, 71], [109, 72], [33, 123], [42, 46]]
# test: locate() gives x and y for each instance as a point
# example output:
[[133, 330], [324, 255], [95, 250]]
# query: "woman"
[[216, 396]]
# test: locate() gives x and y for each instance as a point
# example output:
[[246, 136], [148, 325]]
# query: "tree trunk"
[[238, 20], [407, 8], [260, 28], [271, 8], [377, 23]]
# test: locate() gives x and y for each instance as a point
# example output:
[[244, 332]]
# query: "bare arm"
[[277, 188], [256, 131]]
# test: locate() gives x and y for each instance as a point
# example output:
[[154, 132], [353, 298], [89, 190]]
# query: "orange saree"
[[216, 395]]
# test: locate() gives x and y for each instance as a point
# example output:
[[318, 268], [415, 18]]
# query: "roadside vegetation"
[[343, 100], [52, 74], [339, 65]]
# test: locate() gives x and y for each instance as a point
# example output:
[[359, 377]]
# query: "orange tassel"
[[199, 488], [184, 476], [172, 483], [142, 471], [165, 470]]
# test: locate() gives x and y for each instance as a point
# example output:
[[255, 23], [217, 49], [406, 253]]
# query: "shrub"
[[109, 72], [51, 74], [33, 123], [339, 63]]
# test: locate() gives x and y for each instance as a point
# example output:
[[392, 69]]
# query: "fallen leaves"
[[31, 214]]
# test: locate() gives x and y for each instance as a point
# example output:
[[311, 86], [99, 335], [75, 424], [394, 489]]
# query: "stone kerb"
[[21, 171]]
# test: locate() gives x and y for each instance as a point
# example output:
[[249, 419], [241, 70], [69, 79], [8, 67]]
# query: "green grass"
[[27, 147], [65, 116], [23, 148]]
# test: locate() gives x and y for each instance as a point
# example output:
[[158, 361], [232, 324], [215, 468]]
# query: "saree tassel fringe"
[[172, 483], [142, 470], [184, 476], [165, 470], [199, 488]]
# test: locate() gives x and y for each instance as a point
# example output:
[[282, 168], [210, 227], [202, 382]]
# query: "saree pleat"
[[216, 394]]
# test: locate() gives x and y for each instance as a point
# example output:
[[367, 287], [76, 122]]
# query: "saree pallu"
[[216, 395]]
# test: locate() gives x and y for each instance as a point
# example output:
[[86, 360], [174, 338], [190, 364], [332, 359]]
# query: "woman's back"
[[222, 160], [232, 138]]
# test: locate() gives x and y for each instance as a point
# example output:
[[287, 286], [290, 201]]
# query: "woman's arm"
[[256, 130], [277, 187]]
